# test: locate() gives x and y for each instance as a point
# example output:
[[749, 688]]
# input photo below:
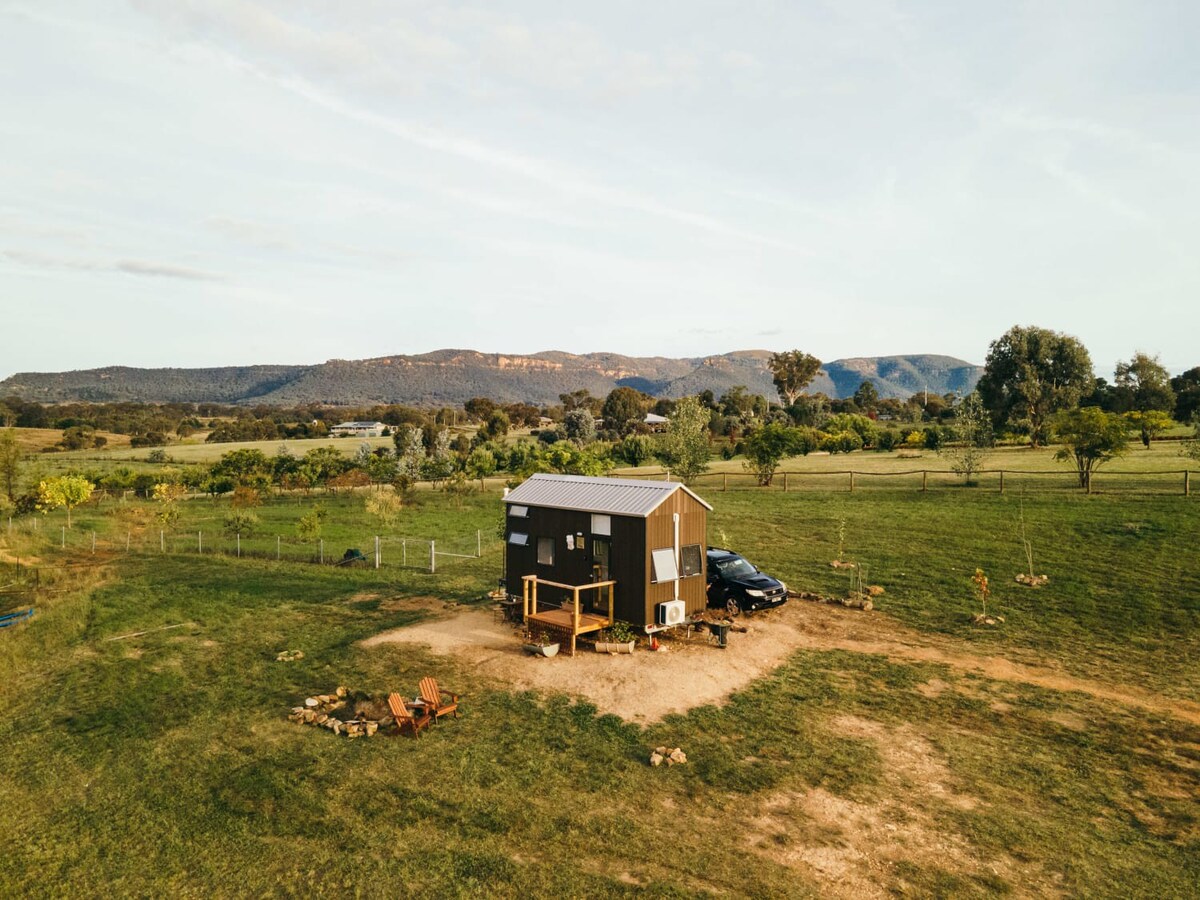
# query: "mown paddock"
[[537, 796]]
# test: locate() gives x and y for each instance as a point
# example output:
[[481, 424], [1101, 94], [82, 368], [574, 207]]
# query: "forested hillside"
[[454, 376]]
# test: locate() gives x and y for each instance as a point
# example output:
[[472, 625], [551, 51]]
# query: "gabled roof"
[[607, 496]]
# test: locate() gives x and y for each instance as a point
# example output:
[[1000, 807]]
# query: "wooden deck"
[[571, 620]]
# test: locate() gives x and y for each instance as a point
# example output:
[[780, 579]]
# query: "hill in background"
[[454, 376]]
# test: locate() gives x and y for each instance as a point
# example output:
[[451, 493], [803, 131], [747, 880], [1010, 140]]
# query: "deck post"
[[524, 599], [610, 604], [575, 620]]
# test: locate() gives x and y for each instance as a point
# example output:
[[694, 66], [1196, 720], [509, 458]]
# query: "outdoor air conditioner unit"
[[671, 612]]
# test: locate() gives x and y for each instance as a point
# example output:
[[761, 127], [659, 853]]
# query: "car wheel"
[[733, 608]]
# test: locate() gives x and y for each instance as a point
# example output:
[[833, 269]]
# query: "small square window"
[[601, 525], [518, 512], [663, 565], [545, 550], [518, 539], [690, 559]]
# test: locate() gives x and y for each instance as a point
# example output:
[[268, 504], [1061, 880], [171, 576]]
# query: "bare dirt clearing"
[[645, 687]]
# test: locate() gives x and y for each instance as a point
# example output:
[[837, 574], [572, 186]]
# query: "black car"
[[740, 587]]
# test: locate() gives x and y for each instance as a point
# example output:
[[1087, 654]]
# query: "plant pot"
[[602, 647], [546, 650]]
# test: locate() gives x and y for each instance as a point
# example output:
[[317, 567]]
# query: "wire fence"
[[356, 550], [1114, 481]]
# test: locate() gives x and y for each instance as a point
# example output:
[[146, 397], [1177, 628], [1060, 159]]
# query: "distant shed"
[[646, 537]]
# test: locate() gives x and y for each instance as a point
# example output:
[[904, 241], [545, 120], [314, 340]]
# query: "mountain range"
[[453, 376]]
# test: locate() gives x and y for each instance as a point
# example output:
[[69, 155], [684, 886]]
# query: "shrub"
[[842, 442], [240, 521]]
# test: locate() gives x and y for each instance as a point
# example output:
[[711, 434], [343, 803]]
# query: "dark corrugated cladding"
[[645, 524]]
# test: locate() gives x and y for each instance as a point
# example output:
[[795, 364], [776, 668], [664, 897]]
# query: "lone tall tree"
[[792, 371], [1143, 389], [1032, 373], [685, 445], [10, 462]]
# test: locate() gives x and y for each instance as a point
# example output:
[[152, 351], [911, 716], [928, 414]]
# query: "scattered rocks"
[[843, 564], [316, 711], [981, 619], [1033, 580], [671, 756], [289, 656]]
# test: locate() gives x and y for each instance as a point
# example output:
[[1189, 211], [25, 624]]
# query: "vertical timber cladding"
[[660, 533]]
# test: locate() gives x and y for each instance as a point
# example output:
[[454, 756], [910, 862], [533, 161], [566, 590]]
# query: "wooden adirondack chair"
[[406, 719], [433, 699]]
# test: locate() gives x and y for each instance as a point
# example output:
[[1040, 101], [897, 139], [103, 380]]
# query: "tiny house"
[[615, 548]]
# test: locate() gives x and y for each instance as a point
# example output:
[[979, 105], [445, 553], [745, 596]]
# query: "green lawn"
[[165, 763]]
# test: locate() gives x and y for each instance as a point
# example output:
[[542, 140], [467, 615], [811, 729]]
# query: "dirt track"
[[646, 687]]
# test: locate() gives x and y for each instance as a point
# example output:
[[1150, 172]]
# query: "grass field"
[[164, 763]]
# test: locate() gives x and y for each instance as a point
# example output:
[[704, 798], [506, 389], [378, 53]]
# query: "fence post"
[[199, 541], [64, 537], [239, 545], [162, 542], [852, 482], [478, 543], [724, 481], [924, 480], [127, 542], [432, 559], [93, 542], [403, 551], [377, 551], [277, 540], [321, 550], [785, 475], [1002, 481], [1187, 483]]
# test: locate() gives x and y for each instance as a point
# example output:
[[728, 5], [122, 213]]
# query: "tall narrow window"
[[690, 560], [663, 565], [545, 548]]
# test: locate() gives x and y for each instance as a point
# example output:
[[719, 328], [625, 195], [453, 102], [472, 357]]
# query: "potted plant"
[[540, 643], [619, 638]]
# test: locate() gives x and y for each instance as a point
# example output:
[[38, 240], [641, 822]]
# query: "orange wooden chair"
[[433, 699], [405, 718]]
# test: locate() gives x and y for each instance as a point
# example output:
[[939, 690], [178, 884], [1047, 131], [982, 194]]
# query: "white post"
[[276, 547], [199, 541], [162, 541], [64, 537], [377, 551], [403, 552], [478, 543], [93, 542], [239, 545], [432, 559], [321, 550]]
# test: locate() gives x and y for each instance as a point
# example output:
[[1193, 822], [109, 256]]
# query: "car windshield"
[[735, 567]]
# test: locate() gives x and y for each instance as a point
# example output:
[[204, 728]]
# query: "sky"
[[287, 181]]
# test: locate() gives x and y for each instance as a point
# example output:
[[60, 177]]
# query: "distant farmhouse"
[[358, 429]]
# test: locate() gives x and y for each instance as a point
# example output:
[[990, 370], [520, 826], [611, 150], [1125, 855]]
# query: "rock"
[[321, 719], [874, 589], [342, 691], [656, 759], [311, 702], [371, 728], [677, 756]]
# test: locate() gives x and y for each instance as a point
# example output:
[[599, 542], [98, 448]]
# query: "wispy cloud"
[[139, 267]]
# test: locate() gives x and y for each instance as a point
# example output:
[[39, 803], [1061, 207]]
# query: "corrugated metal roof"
[[607, 496]]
